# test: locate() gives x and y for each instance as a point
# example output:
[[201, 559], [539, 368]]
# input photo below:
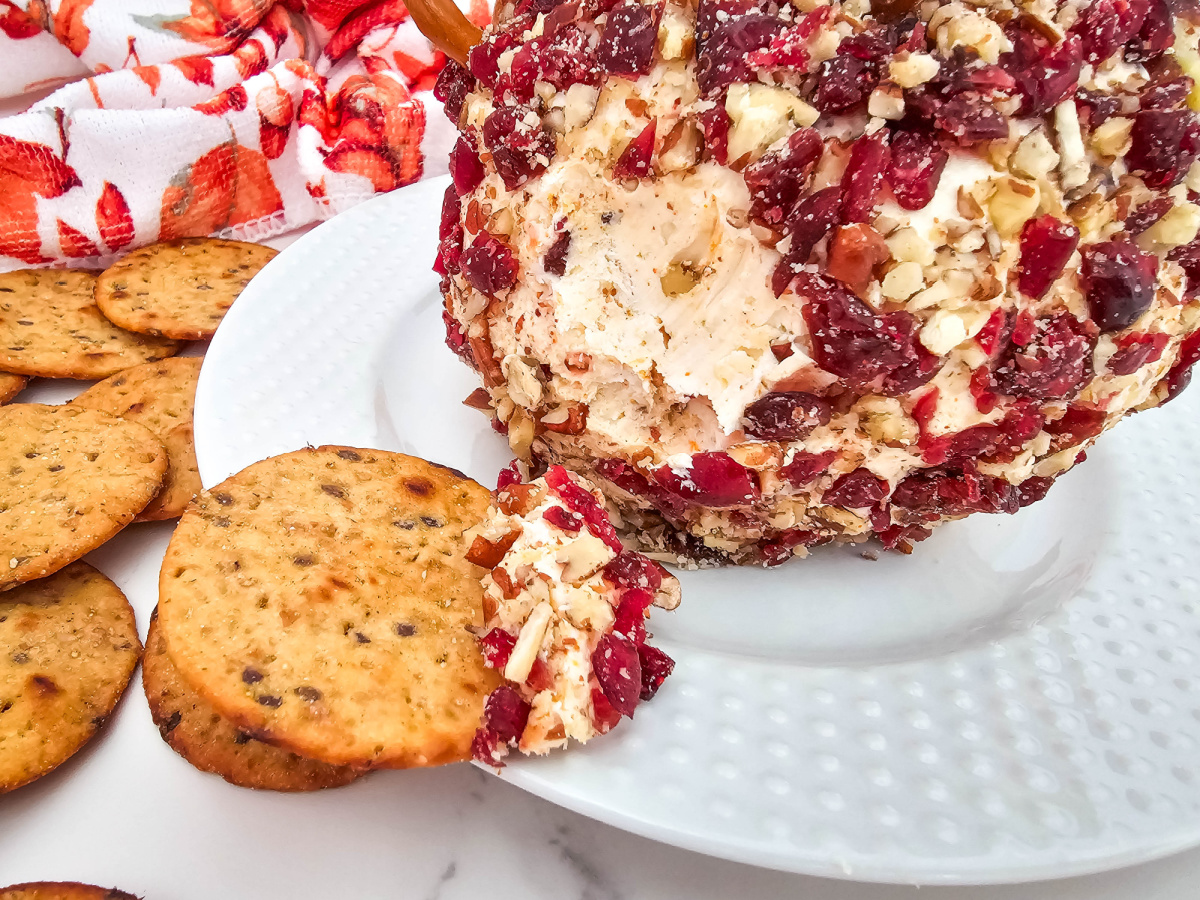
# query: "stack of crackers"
[[73, 476]]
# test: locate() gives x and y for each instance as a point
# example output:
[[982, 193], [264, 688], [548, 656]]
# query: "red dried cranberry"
[[1157, 34], [1000, 441], [1147, 214], [933, 493], [1024, 328], [721, 60], [604, 717], [1031, 490], [1054, 365], [451, 212], [843, 82], [497, 646], [561, 59], [776, 179], [1104, 25], [634, 161], [915, 168], [864, 177], [1078, 424], [1167, 94], [619, 672], [521, 147], [1047, 243], [1137, 350], [452, 86], [859, 489], [1180, 375], [627, 46], [712, 479], [563, 518], [715, 124], [971, 120], [780, 549], [1188, 258], [465, 167], [785, 416], [488, 265], [505, 713], [555, 260], [580, 500], [630, 569], [803, 468], [852, 342], [981, 390], [484, 58], [811, 219], [1096, 108], [789, 49], [1119, 281], [656, 666], [487, 748], [456, 339], [1163, 145], [540, 678], [989, 335], [1045, 73], [449, 255], [508, 476], [630, 616], [918, 372]]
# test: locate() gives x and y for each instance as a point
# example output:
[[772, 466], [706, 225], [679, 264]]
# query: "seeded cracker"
[[161, 397], [50, 327], [11, 385], [70, 479], [179, 289], [62, 890], [68, 646], [211, 744], [320, 600]]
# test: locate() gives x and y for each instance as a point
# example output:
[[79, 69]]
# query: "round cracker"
[[61, 890], [11, 385], [195, 731], [68, 645], [50, 326], [160, 396], [70, 479], [320, 600], [179, 289]]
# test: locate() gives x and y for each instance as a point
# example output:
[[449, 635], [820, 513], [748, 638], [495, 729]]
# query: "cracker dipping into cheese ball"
[[776, 275]]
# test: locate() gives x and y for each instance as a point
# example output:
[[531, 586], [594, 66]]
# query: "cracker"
[[70, 479], [179, 289], [50, 326], [320, 600], [68, 645], [195, 731], [11, 385], [160, 396], [62, 890]]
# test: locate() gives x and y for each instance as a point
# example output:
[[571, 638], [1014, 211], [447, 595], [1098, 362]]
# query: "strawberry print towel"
[[240, 118]]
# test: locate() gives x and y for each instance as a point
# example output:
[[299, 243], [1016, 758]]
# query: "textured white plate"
[[1019, 699]]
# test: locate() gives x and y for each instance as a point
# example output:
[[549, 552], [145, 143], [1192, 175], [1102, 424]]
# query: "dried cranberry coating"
[[813, 217], [714, 123], [722, 57], [634, 161], [618, 669], [456, 339], [505, 713], [915, 168], [1045, 73], [1137, 350], [488, 265], [555, 260], [1147, 214], [1157, 34], [1077, 424], [561, 59], [452, 86], [629, 569], [521, 147], [785, 416], [656, 666], [852, 342], [451, 210], [860, 489], [1164, 144], [1188, 258], [1119, 281], [465, 167], [627, 45], [1180, 375], [484, 58], [1047, 243], [629, 618], [497, 646], [843, 82], [864, 176], [713, 479], [933, 493], [1054, 365], [776, 179], [563, 518], [487, 748], [803, 468], [1105, 25]]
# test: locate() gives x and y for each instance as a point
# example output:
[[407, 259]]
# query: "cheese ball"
[[777, 275]]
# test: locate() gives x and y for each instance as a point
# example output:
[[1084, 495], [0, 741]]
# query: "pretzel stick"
[[445, 26]]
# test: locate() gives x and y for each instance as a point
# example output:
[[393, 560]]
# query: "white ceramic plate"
[[1019, 699]]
